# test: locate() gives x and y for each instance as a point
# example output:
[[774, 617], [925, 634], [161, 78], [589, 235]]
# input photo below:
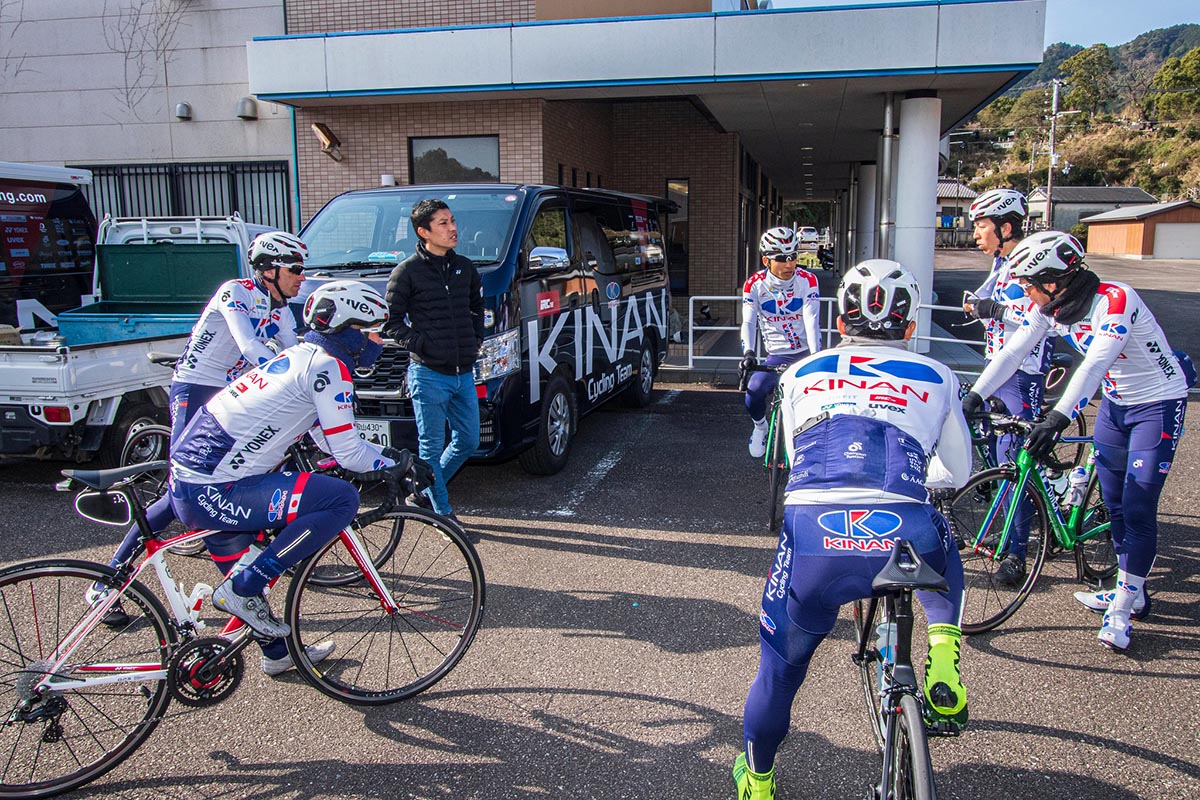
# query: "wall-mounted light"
[[183, 111], [330, 144], [247, 108]]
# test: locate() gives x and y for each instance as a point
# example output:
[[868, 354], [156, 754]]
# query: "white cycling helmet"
[[779, 241], [1046, 256], [277, 248], [337, 305], [878, 296], [999, 203]]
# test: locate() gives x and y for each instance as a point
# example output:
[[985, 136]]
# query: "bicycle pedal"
[[942, 728]]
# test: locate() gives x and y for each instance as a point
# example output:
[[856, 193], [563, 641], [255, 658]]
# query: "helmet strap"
[[276, 301]]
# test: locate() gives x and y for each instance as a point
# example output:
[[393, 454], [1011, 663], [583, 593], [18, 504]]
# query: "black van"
[[576, 304]]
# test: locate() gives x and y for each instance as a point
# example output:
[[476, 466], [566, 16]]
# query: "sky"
[[1113, 22]]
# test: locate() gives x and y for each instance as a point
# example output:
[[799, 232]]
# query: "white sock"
[[761, 424], [1127, 591]]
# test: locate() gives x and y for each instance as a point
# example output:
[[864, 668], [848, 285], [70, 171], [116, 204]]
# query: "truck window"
[[548, 229], [594, 243]]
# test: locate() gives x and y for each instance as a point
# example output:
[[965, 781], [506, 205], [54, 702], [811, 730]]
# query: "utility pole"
[[1053, 157]]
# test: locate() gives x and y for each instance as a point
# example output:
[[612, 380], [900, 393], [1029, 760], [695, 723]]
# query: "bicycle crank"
[[205, 671]]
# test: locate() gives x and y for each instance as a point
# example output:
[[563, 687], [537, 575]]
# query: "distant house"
[[1073, 202], [953, 202], [1158, 230]]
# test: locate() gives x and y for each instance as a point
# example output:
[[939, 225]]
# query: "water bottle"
[[885, 640], [1058, 484], [1077, 486]]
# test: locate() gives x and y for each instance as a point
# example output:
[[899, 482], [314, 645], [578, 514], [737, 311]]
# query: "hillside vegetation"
[[1134, 121]]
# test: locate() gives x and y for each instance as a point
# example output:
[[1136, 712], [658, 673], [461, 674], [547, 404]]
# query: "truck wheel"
[[557, 425], [637, 394], [129, 417]]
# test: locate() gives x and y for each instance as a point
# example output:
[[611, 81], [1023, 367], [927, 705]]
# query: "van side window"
[[597, 253], [548, 229]]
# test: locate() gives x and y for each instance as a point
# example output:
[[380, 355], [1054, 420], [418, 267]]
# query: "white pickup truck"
[[76, 390]]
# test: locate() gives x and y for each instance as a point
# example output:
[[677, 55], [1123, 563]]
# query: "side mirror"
[[107, 508], [548, 259]]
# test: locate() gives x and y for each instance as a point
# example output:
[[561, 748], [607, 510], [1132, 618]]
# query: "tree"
[[1090, 74], [993, 115], [1180, 80], [1029, 111]]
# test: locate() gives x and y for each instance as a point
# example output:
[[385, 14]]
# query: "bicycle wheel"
[[148, 443], [777, 473], [55, 741], [1073, 453], [978, 518], [1094, 550], [379, 538], [871, 670], [436, 580], [911, 769]]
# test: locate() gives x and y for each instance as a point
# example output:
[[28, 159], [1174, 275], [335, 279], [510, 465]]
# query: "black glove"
[[986, 308], [403, 458], [1044, 434], [972, 404], [420, 476], [747, 363]]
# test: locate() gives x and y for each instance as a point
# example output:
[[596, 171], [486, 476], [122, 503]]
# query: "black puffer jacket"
[[441, 296]]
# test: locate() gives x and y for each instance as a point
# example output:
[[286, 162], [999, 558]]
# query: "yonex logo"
[[860, 523]]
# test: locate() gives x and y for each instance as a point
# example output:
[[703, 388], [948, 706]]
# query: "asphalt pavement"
[[620, 639]]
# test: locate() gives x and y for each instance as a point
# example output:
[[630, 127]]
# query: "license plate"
[[376, 431]]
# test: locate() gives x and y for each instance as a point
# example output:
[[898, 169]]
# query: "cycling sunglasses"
[[784, 259], [294, 267]]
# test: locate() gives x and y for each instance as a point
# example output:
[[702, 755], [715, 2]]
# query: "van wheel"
[[129, 417], [557, 425], [637, 394]]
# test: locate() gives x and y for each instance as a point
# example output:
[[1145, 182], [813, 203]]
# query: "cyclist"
[[223, 465], [243, 320], [784, 302], [1141, 414], [998, 217], [869, 425]]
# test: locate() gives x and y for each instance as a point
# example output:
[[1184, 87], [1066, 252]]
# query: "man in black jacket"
[[435, 300]]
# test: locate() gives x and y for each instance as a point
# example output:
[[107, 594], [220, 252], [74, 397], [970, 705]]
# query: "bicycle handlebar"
[[1007, 423], [744, 381]]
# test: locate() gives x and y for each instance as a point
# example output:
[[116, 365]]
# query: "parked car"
[[808, 236]]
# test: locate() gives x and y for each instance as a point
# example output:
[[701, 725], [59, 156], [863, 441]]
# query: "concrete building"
[[1071, 203], [734, 111], [1159, 230]]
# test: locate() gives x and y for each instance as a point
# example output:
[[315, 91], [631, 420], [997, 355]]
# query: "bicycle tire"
[[86, 736], [380, 538], [869, 672], [777, 473], [911, 767], [986, 601], [1094, 551], [436, 579], [1073, 453]]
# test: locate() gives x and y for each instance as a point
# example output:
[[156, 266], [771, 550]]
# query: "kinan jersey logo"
[[892, 376], [859, 530]]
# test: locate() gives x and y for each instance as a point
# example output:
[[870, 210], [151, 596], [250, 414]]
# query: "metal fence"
[[258, 190]]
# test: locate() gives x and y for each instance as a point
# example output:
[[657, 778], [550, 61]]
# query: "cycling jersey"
[[876, 424], [1001, 287], [246, 429], [1122, 346], [230, 336], [789, 313]]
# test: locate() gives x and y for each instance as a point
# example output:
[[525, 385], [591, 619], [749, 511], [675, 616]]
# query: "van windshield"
[[360, 229]]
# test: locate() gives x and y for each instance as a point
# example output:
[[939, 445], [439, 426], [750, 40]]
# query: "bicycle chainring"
[[203, 672]]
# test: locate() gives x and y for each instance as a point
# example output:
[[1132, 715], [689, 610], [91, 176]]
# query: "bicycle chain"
[[203, 673]]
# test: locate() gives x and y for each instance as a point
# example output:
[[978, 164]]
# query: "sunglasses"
[[783, 259], [296, 268]]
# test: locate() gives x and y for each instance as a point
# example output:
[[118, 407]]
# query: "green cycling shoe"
[[945, 695], [752, 785]]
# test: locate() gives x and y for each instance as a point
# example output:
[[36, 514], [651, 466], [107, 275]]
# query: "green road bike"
[[984, 517], [775, 460]]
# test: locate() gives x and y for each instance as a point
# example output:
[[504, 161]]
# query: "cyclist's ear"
[[908, 332], [841, 325]]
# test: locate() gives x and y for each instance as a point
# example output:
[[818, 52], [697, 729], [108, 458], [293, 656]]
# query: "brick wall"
[[375, 141], [667, 139], [324, 16], [578, 135]]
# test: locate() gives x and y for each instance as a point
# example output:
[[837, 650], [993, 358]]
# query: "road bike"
[[79, 695], [775, 460], [986, 515], [893, 696]]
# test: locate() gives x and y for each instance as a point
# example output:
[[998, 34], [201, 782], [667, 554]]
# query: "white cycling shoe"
[[316, 653], [1100, 601], [1114, 634], [758, 442]]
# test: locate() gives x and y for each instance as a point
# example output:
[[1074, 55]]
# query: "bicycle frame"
[[184, 609], [1068, 532]]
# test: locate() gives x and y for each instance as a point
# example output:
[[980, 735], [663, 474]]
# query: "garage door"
[[1177, 240]]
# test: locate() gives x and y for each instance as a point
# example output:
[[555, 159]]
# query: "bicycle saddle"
[[905, 571], [101, 479]]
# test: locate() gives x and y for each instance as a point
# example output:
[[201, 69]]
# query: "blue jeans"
[[439, 399]]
